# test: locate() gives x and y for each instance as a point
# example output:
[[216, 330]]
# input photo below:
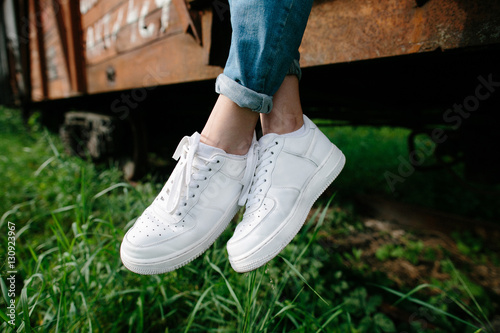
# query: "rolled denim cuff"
[[295, 69], [243, 96]]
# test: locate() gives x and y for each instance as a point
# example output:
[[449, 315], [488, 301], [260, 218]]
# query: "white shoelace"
[[252, 157], [191, 171], [262, 172], [185, 179]]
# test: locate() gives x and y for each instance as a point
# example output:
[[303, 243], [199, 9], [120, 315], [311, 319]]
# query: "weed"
[[72, 215], [460, 294]]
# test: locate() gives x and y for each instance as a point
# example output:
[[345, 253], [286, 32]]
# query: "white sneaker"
[[194, 207], [291, 173]]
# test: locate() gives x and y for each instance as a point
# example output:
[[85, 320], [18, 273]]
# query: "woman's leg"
[[210, 180], [296, 164], [230, 127], [264, 48], [286, 115]]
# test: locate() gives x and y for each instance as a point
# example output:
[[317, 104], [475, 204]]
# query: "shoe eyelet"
[[193, 196], [218, 161], [276, 142], [197, 186], [179, 213], [210, 169]]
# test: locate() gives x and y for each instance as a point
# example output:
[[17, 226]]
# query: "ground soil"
[[388, 222]]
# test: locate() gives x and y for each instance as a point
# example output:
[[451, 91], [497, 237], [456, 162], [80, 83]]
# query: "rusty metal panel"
[[56, 53], [37, 54], [152, 66], [126, 44], [128, 26], [136, 43], [347, 30], [69, 30]]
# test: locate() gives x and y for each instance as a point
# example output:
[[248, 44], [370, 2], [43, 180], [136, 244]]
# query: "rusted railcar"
[[138, 69]]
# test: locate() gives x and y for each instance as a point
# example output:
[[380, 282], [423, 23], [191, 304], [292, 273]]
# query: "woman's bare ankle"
[[286, 115], [230, 127]]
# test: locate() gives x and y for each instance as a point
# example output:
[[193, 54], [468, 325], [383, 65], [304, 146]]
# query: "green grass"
[[71, 216], [372, 152]]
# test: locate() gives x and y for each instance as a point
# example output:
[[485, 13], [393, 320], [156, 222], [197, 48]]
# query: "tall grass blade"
[[140, 309], [44, 165], [321, 219], [26, 316], [432, 307], [5, 291], [294, 269], [411, 292], [196, 308], [4, 317], [469, 293], [60, 234], [40, 289], [111, 188], [48, 137], [337, 313], [63, 209], [231, 291], [287, 314]]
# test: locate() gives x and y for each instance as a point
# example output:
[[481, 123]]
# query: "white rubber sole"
[[288, 229], [171, 262]]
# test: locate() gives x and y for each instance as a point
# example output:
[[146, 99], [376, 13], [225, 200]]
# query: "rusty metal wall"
[[346, 30], [101, 46]]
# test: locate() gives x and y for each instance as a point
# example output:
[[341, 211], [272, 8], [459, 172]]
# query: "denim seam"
[[224, 86], [272, 67]]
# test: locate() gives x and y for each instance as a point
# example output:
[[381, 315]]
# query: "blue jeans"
[[264, 49]]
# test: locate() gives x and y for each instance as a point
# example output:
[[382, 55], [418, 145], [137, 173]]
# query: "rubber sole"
[[270, 248], [171, 263]]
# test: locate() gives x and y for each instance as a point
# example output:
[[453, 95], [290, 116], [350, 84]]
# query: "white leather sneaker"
[[291, 173], [194, 207]]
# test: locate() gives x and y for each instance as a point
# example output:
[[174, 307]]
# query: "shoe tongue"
[[205, 151], [267, 139]]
